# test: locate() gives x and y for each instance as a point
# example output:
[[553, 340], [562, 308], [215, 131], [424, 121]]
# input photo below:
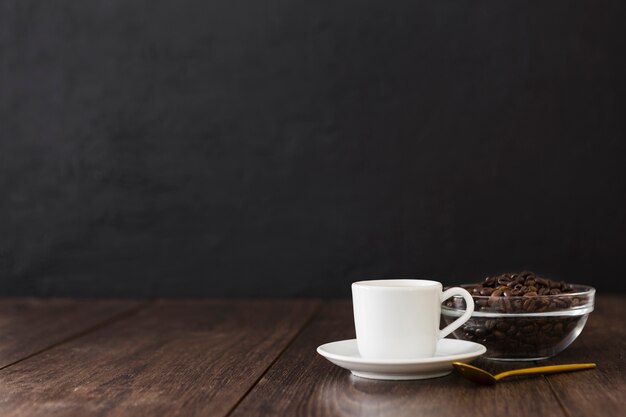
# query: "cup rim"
[[397, 284]]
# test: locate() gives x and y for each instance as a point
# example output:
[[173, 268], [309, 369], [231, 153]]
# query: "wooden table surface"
[[257, 358]]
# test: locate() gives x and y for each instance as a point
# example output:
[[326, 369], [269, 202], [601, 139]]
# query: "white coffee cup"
[[399, 318]]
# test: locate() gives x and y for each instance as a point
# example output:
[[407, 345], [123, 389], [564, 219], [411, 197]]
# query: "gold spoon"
[[482, 377]]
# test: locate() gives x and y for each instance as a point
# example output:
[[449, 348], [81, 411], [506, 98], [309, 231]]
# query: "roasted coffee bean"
[[526, 305], [521, 336], [489, 281], [504, 280], [499, 334], [525, 282], [486, 291], [480, 332], [524, 337], [503, 326]]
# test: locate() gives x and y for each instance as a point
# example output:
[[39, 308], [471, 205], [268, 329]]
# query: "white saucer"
[[346, 355]]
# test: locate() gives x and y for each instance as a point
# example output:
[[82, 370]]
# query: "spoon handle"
[[552, 369]]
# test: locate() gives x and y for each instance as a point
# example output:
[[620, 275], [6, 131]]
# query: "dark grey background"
[[244, 147]]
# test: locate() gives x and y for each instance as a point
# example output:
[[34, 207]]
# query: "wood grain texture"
[[30, 325], [257, 358], [302, 383], [599, 392], [175, 358]]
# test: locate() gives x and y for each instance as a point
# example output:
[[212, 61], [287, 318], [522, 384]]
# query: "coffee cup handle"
[[469, 301]]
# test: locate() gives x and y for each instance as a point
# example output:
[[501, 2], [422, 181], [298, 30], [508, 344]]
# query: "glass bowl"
[[523, 328]]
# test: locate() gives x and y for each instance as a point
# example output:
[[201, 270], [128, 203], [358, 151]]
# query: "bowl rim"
[[588, 290], [579, 310]]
